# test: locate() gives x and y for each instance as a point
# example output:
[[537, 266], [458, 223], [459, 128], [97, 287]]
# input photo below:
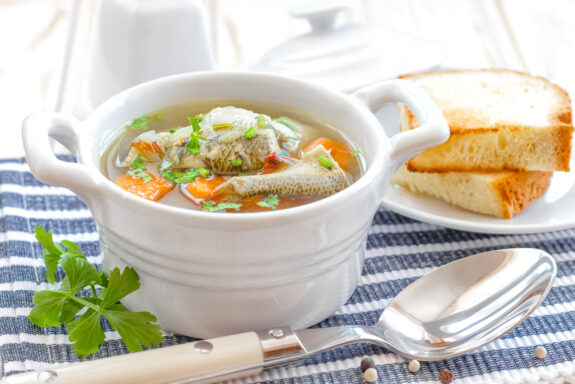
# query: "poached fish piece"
[[309, 177]]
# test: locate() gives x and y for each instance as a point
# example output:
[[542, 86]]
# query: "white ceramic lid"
[[348, 57]]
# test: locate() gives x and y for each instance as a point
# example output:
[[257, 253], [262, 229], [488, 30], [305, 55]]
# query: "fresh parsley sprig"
[[180, 177], [143, 121], [137, 169], [271, 202], [250, 132], [193, 144], [211, 206], [61, 306]]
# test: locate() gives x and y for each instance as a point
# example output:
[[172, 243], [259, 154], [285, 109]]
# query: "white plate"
[[554, 211]]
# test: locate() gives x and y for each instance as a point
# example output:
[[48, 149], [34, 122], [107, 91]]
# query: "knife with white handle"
[[205, 361]]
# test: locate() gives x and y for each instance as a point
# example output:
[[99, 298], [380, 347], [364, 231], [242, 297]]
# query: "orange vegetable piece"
[[340, 153], [152, 190], [150, 151], [202, 188]]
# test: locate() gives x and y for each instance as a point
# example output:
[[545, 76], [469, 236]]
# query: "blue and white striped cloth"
[[399, 250]]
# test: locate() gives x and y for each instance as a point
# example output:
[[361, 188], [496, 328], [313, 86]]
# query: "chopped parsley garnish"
[[194, 123], [140, 174], [261, 121], [210, 206], [180, 177], [137, 169], [200, 117], [216, 127], [61, 306], [140, 122], [356, 153], [237, 162], [174, 129], [325, 162], [204, 172], [138, 163], [193, 144], [158, 117], [285, 121], [271, 202], [250, 132]]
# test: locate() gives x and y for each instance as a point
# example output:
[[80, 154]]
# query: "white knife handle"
[[207, 361]]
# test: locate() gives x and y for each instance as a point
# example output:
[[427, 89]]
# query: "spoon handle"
[[204, 361]]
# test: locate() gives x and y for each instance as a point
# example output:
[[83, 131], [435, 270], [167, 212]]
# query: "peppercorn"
[[366, 363], [445, 376], [413, 366], [540, 352], [370, 375]]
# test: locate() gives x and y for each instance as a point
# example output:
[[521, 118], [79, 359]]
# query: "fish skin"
[[221, 146], [219, 156], [306, 178]]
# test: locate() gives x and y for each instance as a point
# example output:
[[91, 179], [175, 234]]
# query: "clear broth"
[[177, 116]]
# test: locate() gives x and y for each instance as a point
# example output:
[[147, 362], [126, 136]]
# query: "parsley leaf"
[[52, 308], [210, 206], [271, 202], [193, 144], [140, 122], [250, 132], [159, 117], [138, 163], [325, 162], [86, 333], [204, 172], [285, 121], [140, 174], [134, 327], [180, 177], [356, 153], [194, 123], [237, 162], [172, 130]]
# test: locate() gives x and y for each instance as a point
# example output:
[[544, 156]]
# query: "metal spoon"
[[451, 311]]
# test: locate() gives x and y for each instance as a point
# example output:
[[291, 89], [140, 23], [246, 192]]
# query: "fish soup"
[[231, 156]]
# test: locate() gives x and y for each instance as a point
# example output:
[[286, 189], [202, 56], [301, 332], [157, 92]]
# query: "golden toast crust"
[[478, 142]]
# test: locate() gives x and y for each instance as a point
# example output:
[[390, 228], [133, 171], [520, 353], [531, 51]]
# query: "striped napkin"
[[399, 250]]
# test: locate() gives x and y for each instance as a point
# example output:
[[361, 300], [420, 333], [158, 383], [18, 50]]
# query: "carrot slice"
[[152, 190], [202, 188], [340, 153]]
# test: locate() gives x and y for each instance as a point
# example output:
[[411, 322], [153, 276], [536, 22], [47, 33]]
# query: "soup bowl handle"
[[37, 130], [404, 145]]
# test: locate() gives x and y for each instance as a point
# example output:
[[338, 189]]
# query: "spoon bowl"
[[455, 309], [467, 303]]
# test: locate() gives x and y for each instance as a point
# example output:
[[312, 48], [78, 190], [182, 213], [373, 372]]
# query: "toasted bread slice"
[[503, 194], [499, 120]]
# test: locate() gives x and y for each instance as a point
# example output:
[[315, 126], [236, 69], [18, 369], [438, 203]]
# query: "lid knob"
[[321, 14]]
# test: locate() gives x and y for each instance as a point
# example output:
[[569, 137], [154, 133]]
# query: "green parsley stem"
[[85, 303]]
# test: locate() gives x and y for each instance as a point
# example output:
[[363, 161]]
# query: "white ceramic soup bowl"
[[207, 274]]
